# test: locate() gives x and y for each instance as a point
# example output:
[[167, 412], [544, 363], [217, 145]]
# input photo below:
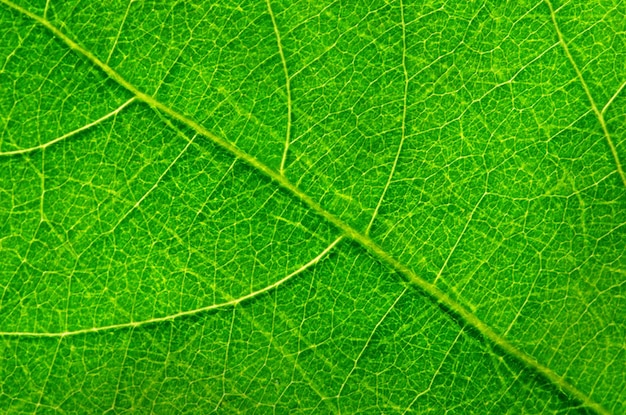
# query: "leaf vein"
[[592, 102], [287, 87], [170, 317], [436, 294], [403, 126], [70, 134]]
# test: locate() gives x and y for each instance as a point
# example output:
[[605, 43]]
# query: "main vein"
[[348, 231]]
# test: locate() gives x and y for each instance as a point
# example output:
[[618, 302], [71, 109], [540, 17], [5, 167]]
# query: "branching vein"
[[615, 95]]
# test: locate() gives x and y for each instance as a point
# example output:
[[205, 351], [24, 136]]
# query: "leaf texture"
[[312, 207]]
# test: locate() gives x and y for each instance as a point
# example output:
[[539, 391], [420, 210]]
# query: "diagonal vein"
[[436, 294], [380, 201], [599, 114]]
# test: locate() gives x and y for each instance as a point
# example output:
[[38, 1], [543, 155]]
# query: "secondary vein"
[[592, 102], [283, 161], [70, 134], [170, 317], [403, 126]]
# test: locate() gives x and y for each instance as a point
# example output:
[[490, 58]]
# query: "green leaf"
[[317, 207]]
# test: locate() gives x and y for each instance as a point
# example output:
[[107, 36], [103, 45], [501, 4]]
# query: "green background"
[[477, 143]]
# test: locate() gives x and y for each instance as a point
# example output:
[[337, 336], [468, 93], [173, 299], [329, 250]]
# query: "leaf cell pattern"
[[321, 207]]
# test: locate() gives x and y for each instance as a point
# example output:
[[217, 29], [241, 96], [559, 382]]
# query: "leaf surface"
[[319, 207]]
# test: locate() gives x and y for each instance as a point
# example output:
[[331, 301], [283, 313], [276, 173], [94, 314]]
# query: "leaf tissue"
[[382, 206]]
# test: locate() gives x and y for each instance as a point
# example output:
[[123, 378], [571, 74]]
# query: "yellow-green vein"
[[361, 238], [592, 102]]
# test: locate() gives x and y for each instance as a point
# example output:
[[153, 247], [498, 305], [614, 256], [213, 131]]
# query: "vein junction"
[[435, 293]]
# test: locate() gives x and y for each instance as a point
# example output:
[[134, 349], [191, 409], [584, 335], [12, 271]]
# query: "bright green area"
[[148, 267]]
